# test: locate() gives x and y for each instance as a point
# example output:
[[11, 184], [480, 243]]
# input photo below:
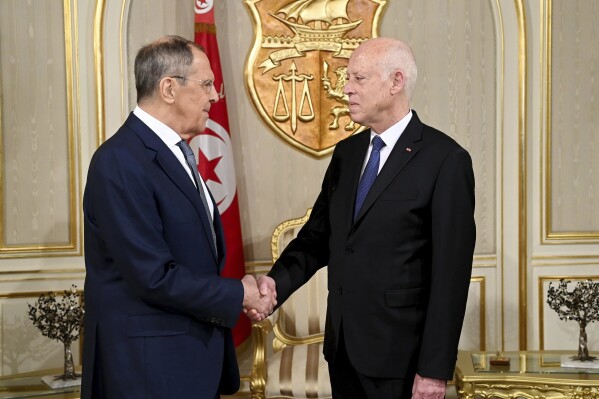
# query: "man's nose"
[[347, 88], [214, 95]]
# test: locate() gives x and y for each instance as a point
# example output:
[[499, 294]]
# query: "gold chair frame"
[[261, 330]]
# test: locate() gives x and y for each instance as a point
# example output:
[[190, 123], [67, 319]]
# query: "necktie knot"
[[187, 151], [377, 143]]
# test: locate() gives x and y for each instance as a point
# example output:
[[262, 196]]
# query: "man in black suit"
[[158, 313], [399, 252]]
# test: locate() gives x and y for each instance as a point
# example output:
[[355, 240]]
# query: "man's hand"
[[267, 285], [257, 304], [428, 388]]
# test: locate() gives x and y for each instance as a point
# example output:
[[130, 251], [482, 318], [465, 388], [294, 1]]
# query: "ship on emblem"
[[320, 19]]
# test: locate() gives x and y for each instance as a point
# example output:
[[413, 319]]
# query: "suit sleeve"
[[453, 239], [127, 222], [309, 251]]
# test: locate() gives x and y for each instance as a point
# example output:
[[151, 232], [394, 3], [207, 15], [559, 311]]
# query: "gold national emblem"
[[296, 69]]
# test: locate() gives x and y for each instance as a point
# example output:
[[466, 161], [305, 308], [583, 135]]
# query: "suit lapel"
[[405, 149], [220, 236], [174, 170], [353, 167]]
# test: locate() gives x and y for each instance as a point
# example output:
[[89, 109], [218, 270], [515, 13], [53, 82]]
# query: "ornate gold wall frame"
[[295, 71], [118, 33], [72, 246], [549, 235]]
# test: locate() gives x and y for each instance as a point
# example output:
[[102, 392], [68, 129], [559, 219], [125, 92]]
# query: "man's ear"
[[399, 81], [167, 89]]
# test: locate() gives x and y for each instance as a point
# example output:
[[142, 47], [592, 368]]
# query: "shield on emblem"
[[296, 69]]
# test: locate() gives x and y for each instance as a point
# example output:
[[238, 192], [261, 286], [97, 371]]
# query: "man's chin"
[[201, 127], [355, 118]]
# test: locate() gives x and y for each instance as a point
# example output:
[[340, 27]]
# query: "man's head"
[[174, 84], [381, 76]]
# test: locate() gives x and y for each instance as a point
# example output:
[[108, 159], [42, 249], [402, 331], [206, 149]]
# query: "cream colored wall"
[[484, 79], [563, 119]]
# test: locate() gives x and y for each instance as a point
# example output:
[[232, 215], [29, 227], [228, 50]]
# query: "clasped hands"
[[259, 297]]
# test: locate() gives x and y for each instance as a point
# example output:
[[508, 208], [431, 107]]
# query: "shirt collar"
[[391, 135], [166, 134]]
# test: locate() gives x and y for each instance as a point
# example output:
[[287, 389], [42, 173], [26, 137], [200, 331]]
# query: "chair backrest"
[[301, 318]]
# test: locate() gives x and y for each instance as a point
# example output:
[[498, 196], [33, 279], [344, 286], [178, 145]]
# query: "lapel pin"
[[408, 149]]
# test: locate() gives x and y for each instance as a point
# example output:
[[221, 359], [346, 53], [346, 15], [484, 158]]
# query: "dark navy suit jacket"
[[158, 313], [398, 275]]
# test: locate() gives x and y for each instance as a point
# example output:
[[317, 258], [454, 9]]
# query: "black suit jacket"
[[158, 314], [398, 275]]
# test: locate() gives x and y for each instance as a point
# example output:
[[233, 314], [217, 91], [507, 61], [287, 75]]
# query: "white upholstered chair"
[[291, 365]]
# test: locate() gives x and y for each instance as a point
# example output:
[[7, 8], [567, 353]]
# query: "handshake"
[[259, 297]]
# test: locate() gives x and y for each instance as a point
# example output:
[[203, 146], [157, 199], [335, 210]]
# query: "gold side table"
[[30, 385], [530, 374]]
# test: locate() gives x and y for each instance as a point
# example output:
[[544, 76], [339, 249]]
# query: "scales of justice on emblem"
[[296, 68]]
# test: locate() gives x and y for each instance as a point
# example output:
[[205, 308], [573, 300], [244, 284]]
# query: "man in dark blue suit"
[[158, 313], [394, 222]]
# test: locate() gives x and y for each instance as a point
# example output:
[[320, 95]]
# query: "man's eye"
[[209, 84]]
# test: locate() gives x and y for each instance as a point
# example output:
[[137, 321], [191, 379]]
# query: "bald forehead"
[[381, 45], [369, 54]]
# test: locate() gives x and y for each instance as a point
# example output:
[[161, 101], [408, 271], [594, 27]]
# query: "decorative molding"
[[62, 278], [125, 7], [522, 168], [72, 247], [99, 17], [564, 260], [530, 391], [548, 235], [500, 169]]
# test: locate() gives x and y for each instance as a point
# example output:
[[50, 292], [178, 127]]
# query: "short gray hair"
[[167, 56]]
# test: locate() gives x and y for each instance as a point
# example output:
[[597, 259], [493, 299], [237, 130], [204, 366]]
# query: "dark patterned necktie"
[[191, 162], [370, 172]]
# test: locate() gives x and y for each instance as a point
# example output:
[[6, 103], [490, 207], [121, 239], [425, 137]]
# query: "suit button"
[[349, 250]]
